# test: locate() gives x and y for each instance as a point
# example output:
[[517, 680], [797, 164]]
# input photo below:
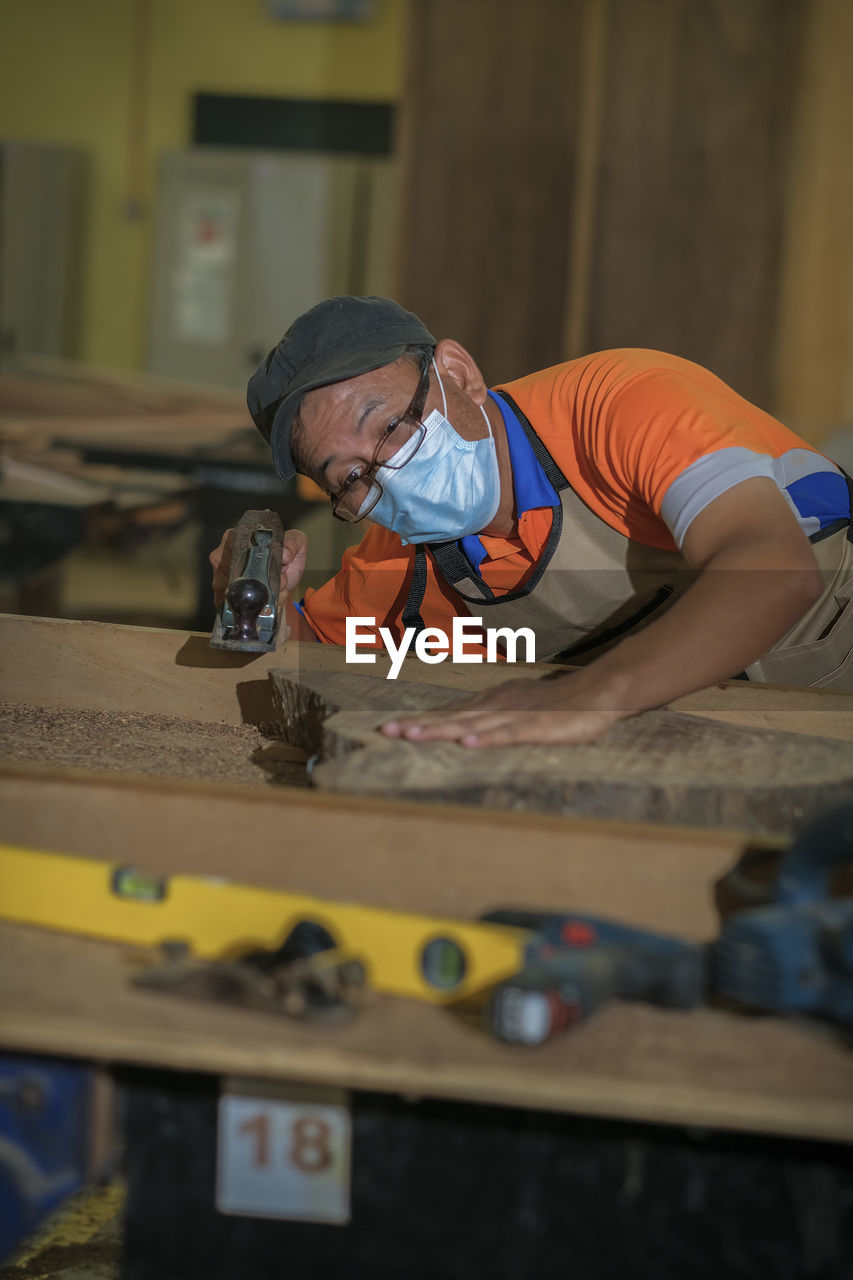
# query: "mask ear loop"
[[441, 385], [444, 401]]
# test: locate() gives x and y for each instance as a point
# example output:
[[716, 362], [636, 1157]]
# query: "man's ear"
[[453, 359]]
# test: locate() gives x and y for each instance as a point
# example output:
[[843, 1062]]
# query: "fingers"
[[220, 562], [294, 555], [504, 728], [465, 727], [433, 726], [510, 698], [293, 558], [545, 728]]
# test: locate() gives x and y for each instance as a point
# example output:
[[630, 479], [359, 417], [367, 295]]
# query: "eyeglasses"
[[400, 442]]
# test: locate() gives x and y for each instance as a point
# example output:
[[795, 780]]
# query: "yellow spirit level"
[[405, 954]]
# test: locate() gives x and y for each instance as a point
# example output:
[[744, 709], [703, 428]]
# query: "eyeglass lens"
[[397, 447]]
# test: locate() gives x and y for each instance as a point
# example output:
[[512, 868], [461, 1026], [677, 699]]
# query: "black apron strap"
[[455, 567], [417, 591], [448, 564], [543, 457], [453, 564]]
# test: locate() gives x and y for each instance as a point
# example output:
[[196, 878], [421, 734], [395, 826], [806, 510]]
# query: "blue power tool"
[[786, 948], [576, 963], [794, 952]]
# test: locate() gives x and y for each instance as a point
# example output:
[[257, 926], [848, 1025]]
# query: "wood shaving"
[[155, 745]]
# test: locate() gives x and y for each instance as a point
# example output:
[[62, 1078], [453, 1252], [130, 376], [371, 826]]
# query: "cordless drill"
[[576, 963], [788, 949]]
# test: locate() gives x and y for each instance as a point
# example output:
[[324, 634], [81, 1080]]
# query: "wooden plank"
[[51, 384], [659, 766], [767, 706], [821, 712], [103, 666], [62, 995], [708, 1068], [56, 477], [67, 996], [155, 745], [434, 858], [167, 435]]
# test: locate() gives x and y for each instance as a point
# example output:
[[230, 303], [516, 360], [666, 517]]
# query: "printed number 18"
[[308, 1148]]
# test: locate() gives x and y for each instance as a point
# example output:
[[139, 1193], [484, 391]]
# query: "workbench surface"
[[69, 996]]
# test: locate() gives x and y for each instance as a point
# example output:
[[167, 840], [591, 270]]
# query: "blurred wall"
[[814, 357], [117, 78], [512, 112], [661, 173]]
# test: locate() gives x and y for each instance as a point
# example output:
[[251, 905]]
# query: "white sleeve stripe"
[[714, 474], [797, 463]]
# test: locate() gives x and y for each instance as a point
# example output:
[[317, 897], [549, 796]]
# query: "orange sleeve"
[[662, 420], [624, 424], [373, 582]]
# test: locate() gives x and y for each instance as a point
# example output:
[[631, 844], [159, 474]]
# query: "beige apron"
[[597, 587], [818, 650], [592, 586]]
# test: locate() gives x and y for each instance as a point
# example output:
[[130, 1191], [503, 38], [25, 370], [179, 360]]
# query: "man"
[[641, 517]]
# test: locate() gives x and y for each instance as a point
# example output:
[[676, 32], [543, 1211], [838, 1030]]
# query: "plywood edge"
[[311, 806]]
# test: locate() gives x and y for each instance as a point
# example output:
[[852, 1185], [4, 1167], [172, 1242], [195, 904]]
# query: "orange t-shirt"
[[644, 438]]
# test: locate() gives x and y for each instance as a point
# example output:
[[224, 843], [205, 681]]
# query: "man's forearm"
[[758, 576], [729, 617]]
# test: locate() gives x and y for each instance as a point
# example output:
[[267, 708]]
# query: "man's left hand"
[[519, 711]]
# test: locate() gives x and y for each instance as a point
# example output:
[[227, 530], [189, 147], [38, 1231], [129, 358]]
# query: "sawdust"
[[155, 745], [94, 1259]]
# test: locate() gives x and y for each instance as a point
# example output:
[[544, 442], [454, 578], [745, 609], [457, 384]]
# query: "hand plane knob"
[[246, 598]]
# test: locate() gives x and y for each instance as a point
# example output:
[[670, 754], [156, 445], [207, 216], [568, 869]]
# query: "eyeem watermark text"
[[433, 645]]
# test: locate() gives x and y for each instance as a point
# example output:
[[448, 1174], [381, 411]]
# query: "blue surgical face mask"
[[450, 488]]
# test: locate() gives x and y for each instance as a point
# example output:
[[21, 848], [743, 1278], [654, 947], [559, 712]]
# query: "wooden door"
[[691, 176], [488, 130], [582, 174]]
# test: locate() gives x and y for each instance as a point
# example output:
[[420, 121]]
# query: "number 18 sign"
[[282, 1157]]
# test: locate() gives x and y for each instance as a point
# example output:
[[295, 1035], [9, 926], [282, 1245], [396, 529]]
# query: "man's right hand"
[[294, 554]]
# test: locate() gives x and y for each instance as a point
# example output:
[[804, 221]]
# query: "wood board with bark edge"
[[84, 666], [661, 766], [70, 996]]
